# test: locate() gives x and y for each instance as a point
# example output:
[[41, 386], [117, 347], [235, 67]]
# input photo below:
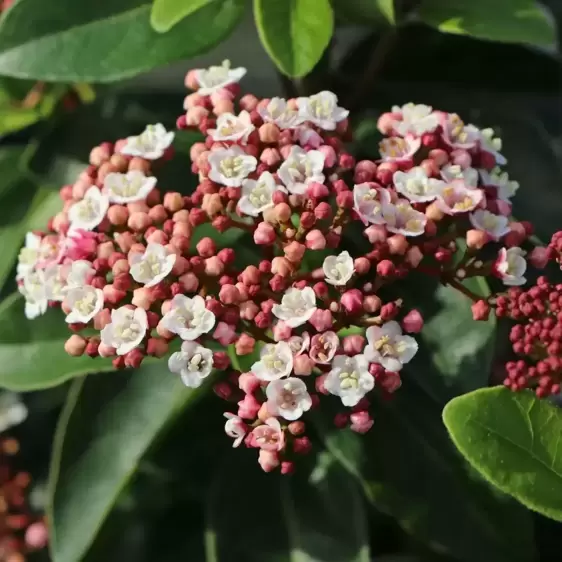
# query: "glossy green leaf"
[[32, 354], [105, 428], [295, 33], [365, 12], [93, 41], [510, 21], [387, 9], [513, 440], [166, 13], [316, 515]]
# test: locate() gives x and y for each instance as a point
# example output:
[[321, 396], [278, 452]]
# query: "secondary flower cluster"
[[312, 313]]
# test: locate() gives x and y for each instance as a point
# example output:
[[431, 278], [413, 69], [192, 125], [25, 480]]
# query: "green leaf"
[[509, 21], [387, 9], [295, 33], [364, 12], [513, 440], [32, 354], [315, 515], [166, 13], [93, 41], [105, 428]]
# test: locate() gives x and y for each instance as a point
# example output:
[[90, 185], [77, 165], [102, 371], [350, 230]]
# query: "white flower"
[[510, 266], [493, 145], [349, 379], [301, 168], [126, 330], [34, 291], [217, 77], [495, 226], [398, 149], [235, 428], [78, 275], [388, 347], [288, 398], [276, 362], [12, 410], [129, 187], [452, 172], [417, 119], [456, 198], [401, 218], [90, 211], [193, 363], [416, 186], [299, 344], [338, 270], [55, 283], [29, 255], [257, 195], [506, 188], [150, 144], [277, 111], [458, 135], [297, 306], [232, 128], [322, 110], [188, 317], [367, 204], [85, 302], [231, 166], [152, 266]]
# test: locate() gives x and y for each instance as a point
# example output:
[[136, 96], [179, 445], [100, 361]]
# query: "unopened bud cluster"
[[330, 235]]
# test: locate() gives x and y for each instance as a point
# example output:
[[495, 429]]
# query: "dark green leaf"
[[166, 13], [295, 33], [106, 427], [364, 12], [510, 21], [513, 439], [93, 41], [32, 354]]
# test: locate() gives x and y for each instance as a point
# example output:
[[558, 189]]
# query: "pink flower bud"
[[353, 345], [214, 266], [397, 244], [36, 536], [139, 221], [362, 266], [414, 256], [142, 297], [361, 421], [376, 233], [372, 304], [294, 252], [282, 212], [270, 157], [245, 345], [303, 365], [341, 420], [480, 310], [268, 460], [248, 407], [223, 106], [434, 212], [315, 240], [113, 295], [352, 301], [248, 382], [323, 211], [264, 234], [134, 358], [269, 133], [157, 347], [386, 268], [75, 345], [281, 331], [413, 322], [206, 247], [321, 320], [221, 360], [117, 214], [476, 239], [461, 158], [281, 266], [539, 257], [229, 294], [329, 153]]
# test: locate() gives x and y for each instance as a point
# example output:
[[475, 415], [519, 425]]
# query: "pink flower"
[[456, 134], [458, 198], [321, 319], [248, 407], [299, 344], [268, 460], [269, 436], [361, 421], [80, 244], [235, 428], [224, 333], [323, 347], [397, 149]]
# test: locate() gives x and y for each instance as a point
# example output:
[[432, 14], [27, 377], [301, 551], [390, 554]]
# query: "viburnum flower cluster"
[[316, 314]]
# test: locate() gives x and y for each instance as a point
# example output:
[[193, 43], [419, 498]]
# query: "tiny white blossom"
[[128, 188], [493, 145], [338, 270], [277, 111], [215, 78], [12, 410], [193, 363], [510, 266], [29, 254], [188, 317], [34, 290], [126, 330], [456, 198], [416, 186], [452, 172], [495, 226], [300, 169], [299, 344], [322, 109], [55, 282], [78, 275], [235, 428], [297, 306], [457, 134], [288, 398], [388, 347], [417, 119], [401, 218], [506, 188], [367, 203], [398, 149], [230, 166], [257, 195], [152, 266], [276, 362], [349, 379], [85, 302], [233, 128], [90, 211], [150, 144]]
